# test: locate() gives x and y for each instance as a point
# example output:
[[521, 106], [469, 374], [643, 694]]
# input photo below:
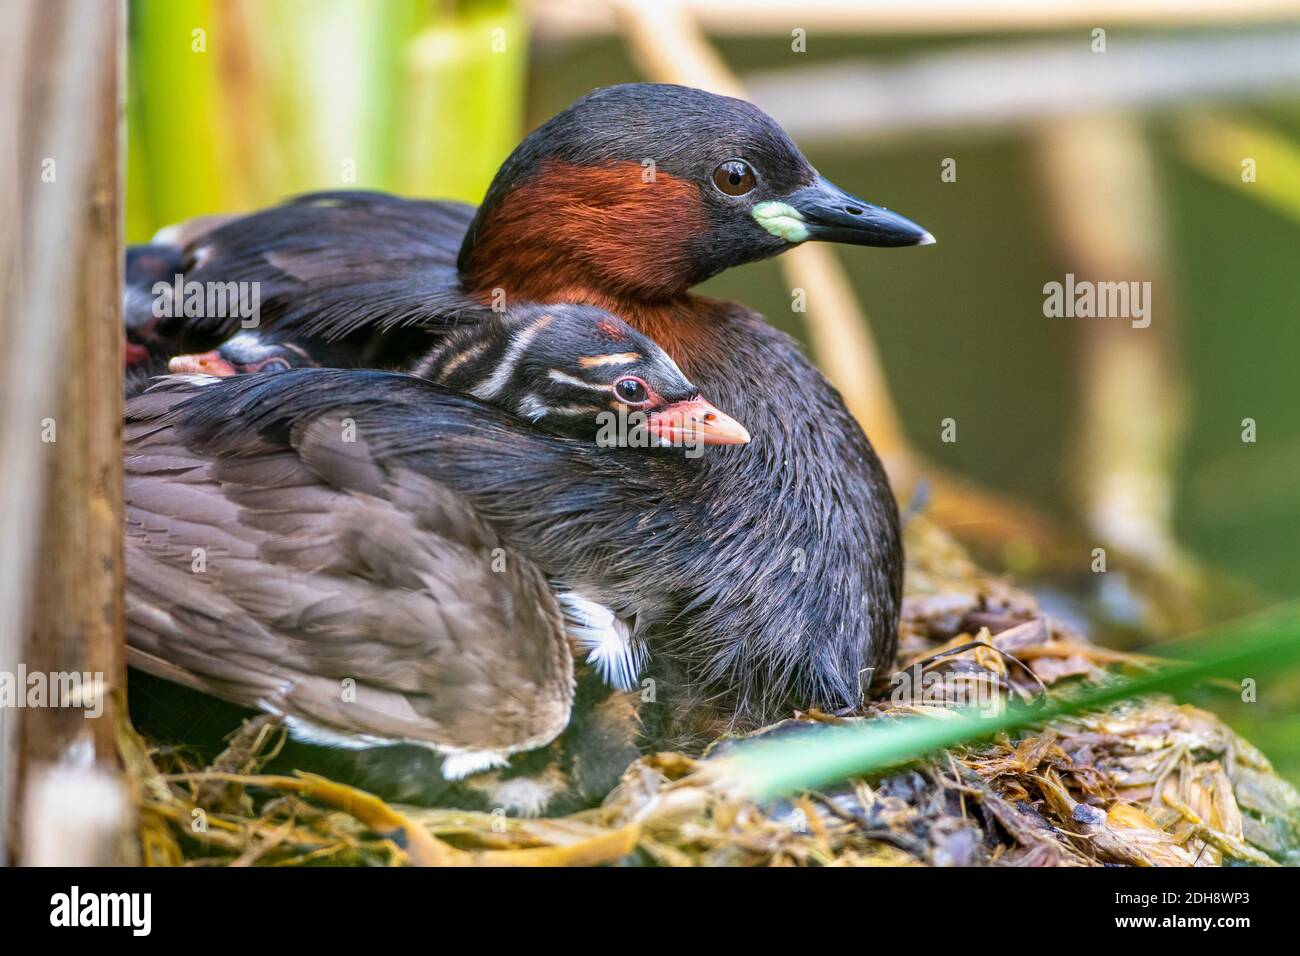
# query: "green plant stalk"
[[826, 754], [176, 162], [288, 96], [1217, 147], [468, 71]]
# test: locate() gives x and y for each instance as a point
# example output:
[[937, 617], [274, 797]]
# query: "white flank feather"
[[617, 658]]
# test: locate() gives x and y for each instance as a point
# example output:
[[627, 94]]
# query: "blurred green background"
[[234, 105]]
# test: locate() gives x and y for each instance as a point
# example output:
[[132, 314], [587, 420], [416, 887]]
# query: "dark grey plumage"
[[783, 578], [318, 566], [338, 266], [758, 599]]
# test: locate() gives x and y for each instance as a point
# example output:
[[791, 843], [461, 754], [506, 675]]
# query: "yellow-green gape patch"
[[781, 220]]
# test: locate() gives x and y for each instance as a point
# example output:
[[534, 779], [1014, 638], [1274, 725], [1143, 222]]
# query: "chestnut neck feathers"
[[616, 194]]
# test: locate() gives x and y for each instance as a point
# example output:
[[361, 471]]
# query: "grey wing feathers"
[[272, 575]]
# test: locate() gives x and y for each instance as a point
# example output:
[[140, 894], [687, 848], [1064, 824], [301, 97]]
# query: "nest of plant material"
[[1143, 783]]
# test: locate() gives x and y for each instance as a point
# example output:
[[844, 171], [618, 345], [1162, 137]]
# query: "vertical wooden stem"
[[61, 517]]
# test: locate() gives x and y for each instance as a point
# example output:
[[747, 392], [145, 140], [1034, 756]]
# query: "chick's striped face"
[[563, 368], [560, 368]]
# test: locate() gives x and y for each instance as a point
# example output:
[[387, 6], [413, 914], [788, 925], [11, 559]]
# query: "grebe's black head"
[[647, 189]]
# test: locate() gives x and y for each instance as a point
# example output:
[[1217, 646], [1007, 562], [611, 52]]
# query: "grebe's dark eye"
[[631, 390], [734, 177]]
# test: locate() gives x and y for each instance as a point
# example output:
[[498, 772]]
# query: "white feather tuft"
[[459, 764], [612, 651], [456, 765]]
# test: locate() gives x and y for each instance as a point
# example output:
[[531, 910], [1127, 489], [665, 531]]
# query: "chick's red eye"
[[734, 177], [631, 390]]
